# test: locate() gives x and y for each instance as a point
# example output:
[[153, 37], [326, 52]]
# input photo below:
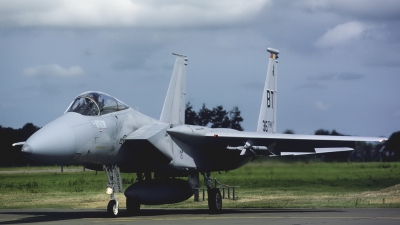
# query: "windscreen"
[[84, 106], [96, 103]]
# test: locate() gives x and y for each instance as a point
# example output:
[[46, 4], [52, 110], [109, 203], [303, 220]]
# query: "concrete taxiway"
[[201, 216]]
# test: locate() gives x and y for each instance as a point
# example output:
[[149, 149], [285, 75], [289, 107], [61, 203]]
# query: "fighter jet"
[[168, 156]]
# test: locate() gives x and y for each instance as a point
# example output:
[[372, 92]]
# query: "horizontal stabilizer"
[[328, 150], [318, 151], [296, 153]]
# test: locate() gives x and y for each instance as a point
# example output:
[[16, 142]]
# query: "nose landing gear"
[[114, 185]]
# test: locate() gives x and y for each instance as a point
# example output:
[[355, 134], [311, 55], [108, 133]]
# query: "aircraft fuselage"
[[75, 139]]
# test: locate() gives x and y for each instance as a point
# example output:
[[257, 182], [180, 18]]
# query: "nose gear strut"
[[114, 185]]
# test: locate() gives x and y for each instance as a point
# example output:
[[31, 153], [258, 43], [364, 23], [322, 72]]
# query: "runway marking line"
[[249, 217], [393, 218]]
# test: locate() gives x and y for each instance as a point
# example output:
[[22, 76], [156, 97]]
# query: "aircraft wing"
[[271, 144], [288, 144]]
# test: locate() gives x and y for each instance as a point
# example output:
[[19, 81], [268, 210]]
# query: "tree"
[[204, 116], [288, 131], [235, 119], [393, 144], [326, 132], [218, 117], [190, 114], [12, 155], [27, 130]]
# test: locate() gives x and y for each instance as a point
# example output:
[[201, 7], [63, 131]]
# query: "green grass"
[[270, 184], [30, 168], [69, 182], [315, 176]]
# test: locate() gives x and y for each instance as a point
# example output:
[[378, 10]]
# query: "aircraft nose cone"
[[54, 143], [26, 149]]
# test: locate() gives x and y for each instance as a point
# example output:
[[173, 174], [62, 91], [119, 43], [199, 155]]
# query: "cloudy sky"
[[339, 65]]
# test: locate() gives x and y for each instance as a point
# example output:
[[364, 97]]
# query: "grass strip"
[[265, 184]]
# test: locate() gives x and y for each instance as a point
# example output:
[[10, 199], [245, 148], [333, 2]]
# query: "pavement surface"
[[201, 216]]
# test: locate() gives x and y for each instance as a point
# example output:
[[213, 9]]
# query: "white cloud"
[[127, 13], [342, 34], [53, 70], [387, 9], [321, 106]]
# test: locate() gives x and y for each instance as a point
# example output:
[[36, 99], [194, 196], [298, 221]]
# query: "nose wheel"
[[112, 208]]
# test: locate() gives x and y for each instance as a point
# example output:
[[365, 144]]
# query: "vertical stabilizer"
[[173, 111], [267, 117]]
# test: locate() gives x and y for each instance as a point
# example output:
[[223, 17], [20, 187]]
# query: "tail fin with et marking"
[[267, 117]]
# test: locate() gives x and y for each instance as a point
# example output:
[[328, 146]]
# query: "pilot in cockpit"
[[95, 104]]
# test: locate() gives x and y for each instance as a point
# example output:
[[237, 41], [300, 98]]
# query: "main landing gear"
[[114, 185], [214, 195], [214, 200]]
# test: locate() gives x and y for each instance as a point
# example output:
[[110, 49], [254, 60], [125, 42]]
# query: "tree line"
[[12, 155], [216, 117]]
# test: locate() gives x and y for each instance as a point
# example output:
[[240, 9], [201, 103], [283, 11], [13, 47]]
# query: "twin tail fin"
[[267, 117], [173, 111]]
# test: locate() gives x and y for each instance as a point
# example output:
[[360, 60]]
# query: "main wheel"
[[133, 207], [214, 200], [112, 209]]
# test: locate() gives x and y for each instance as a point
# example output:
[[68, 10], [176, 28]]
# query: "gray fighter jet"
[[103, 133]]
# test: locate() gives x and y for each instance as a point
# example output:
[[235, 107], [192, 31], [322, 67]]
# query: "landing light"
[[109, 190]]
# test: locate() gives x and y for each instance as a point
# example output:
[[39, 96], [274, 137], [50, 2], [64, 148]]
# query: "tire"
[[133, 207], [214, 200], [112, 209]]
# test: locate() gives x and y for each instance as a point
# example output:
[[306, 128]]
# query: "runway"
[[201, 216]]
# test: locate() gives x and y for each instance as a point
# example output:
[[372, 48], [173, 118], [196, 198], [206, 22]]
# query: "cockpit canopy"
[[95, 104]]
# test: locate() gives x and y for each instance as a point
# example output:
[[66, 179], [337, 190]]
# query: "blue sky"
[[339, 65]]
